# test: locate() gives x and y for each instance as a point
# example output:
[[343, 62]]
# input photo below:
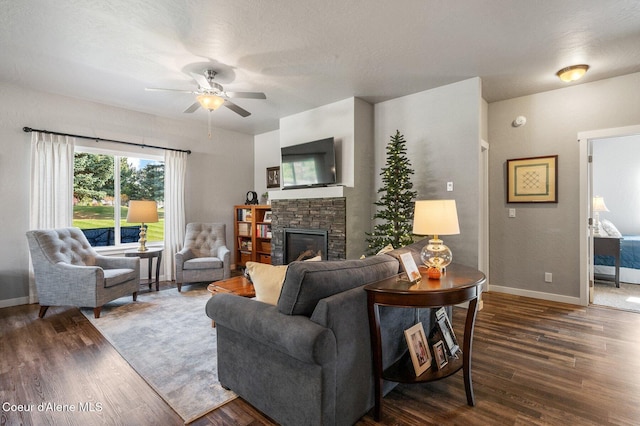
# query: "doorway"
[[602, 175]]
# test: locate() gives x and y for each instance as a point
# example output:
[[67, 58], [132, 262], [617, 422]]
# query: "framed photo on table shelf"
[[446, 331], [418, 348], [439, 353]]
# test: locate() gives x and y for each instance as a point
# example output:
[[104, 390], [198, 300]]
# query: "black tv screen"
[[308, 164]]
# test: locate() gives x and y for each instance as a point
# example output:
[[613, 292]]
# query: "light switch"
[[512, 212]]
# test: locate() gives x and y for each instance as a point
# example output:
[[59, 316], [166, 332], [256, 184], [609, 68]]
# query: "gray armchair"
[[205, 256], [69, 272]]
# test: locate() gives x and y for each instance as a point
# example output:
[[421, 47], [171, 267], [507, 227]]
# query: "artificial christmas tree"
[[396, 202]]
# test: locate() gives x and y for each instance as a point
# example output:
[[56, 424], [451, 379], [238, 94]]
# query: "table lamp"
[[436, 217], [598, 206], [142, 212]]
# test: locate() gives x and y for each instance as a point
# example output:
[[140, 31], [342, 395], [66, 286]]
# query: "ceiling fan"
[[211, 95]]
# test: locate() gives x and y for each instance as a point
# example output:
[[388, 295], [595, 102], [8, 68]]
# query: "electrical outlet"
[[449, 186], [548, 277]]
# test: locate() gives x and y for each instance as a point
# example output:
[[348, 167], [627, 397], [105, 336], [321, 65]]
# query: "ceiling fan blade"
[[201, 80], [235, 108], [247, 95], [194, 106], [157, 89]]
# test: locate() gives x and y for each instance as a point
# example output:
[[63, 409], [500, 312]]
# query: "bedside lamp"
[[436, 217], [142, 212], [598, 206]]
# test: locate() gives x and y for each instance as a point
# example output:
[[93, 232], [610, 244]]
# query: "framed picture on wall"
[[273, 177], [532, 180]]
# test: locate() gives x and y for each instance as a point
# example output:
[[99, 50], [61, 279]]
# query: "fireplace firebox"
[[302, 244]]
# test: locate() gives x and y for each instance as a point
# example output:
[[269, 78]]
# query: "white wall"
[[616, 177], [546, 237], [266, 153], [219, 170], [442, 129]]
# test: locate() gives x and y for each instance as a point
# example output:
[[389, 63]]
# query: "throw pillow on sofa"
[[267, 280]]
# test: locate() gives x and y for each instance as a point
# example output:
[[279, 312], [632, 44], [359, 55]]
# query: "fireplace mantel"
[[301, 193]]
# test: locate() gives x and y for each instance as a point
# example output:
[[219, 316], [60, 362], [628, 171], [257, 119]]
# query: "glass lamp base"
[[436, 255]]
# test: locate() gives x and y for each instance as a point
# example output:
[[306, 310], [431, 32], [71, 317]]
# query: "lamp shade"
[[142, 211], [599, 205], [210, 102], [435, 217]]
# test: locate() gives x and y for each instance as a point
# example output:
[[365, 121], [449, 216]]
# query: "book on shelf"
[[264, 231], [244, 229], [244, 215]]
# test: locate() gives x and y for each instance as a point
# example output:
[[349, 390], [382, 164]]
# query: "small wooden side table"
[[155, 252], [236, 285], [458, 285]]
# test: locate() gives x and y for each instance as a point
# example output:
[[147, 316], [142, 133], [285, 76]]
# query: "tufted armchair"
[[68, 271], [205, 256]]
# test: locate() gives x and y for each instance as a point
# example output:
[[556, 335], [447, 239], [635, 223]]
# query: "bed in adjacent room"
[[629, 256]]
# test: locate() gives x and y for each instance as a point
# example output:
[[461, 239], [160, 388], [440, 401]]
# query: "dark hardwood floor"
[[534, 362]]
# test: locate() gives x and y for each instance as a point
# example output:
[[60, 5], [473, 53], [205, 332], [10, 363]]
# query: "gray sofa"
[[307, 361]]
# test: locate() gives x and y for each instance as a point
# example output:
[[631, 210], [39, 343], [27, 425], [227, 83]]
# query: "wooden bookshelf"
[[252, 232]]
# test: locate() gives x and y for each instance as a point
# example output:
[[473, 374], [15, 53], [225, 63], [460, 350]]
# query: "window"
[[102, 187]]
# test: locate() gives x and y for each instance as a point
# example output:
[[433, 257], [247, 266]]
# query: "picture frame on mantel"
[[273, 177], [532, 180]]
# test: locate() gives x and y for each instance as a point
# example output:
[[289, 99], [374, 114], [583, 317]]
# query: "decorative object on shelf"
[[142, 211], [264, 198], [436, 217], [418, 348], [440, 355], [267, 216], [598, 206], [252, 198], [447, 333], [410, 267], [396, 200], [572, 73], [273, 177], [532, 180]]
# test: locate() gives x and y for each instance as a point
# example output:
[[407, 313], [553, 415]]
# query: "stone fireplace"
[[313, 216]]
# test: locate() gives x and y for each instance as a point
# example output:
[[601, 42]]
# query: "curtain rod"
[[29, 129]]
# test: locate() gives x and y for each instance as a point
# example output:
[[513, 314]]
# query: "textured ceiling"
[[303, 54]]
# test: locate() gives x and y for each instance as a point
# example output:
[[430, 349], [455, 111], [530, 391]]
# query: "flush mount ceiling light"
[[572, 73]]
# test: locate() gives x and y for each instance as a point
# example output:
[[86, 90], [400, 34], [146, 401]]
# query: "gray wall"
[[442, 130], [219, 170], [546, 237]]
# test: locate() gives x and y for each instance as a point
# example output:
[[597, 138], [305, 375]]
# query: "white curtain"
[[175, 170], [51, 190]]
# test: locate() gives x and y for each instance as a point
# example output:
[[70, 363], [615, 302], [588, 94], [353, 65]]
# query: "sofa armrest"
[[293, 335], [112, 262], [182, 256]]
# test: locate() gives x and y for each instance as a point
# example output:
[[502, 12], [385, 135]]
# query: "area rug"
[[626, 297], [167, 338]]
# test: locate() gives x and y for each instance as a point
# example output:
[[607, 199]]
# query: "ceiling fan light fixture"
[[210, 102], [572, 73]]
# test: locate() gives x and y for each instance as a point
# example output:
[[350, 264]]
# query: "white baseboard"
[[14, 302], [536, 294]]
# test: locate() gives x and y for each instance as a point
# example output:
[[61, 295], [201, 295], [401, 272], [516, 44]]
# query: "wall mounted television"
[[308, 164]]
